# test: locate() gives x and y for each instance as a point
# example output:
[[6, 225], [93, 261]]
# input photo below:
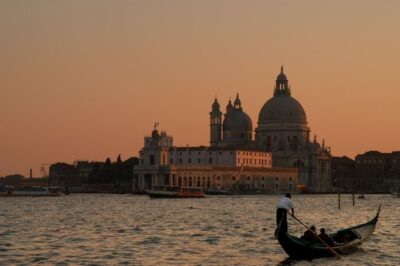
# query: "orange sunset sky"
[[87, 79]]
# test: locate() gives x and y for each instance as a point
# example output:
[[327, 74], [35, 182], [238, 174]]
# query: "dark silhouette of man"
[[284, 205]]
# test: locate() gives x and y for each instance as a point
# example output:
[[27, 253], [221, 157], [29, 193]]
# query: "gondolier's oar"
[[329, 247]]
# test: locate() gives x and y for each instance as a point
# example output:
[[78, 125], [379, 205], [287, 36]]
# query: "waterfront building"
[[243, 169], [378, 172], [343, 173]]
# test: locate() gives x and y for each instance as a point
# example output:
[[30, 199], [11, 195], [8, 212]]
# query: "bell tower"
[[215, 123]]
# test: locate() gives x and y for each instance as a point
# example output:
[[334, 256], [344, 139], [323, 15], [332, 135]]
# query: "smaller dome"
[[237, 120]]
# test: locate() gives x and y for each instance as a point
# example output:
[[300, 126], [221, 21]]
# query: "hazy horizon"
[[88, 80]]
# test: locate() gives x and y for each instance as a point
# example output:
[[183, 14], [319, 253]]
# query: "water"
[[101, 229]]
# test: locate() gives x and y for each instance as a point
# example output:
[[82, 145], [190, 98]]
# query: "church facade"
[[277, 156], [282, 130]]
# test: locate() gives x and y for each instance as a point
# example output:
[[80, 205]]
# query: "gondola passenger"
[[327, 239], [310, 234]]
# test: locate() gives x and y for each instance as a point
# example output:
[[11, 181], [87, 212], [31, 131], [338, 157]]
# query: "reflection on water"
[[221, 230]]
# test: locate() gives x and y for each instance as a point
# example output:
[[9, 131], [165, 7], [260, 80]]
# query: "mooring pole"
[[353, 199], [338, 200]]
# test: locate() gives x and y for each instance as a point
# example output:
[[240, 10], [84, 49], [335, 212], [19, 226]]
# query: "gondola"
[[346, 241]]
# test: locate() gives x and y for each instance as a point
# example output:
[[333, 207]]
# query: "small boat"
[[361, 196], [175, 192], [396, 194], [346, 241], [35, 191], [216, 191]]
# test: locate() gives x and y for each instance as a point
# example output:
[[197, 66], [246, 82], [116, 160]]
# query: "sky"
[[87, 80]]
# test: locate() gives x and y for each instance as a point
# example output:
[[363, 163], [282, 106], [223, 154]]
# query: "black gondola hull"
[[298, 248]]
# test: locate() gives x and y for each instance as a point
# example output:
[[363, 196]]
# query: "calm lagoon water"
[[102, 229]]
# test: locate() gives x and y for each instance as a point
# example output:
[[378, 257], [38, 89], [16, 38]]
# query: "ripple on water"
[[100, 229]]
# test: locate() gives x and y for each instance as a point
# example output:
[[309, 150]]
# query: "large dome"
[[282, 109], [237, 120]]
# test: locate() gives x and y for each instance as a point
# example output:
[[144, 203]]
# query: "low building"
[[343, 179], [246, 170], [378, 172]]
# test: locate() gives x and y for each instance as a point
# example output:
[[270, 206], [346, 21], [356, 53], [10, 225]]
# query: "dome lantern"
[[282, 86], [237, 104]]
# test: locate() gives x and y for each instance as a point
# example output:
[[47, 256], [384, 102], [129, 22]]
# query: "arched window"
[[298, 164]]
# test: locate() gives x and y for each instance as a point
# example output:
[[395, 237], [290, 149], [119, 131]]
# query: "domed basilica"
[[282, 129]]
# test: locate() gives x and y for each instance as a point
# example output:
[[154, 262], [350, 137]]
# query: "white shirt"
[[285, 203]]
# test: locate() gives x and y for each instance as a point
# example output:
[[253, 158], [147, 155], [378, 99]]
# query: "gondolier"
[[284, 205]]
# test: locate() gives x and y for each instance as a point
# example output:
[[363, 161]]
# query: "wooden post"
[[338, 200], [353, 199]]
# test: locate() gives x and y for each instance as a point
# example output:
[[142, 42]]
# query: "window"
[[190, 160], [152, 160], [198, 160], [180, 160], [210, 160], [171, 161]]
